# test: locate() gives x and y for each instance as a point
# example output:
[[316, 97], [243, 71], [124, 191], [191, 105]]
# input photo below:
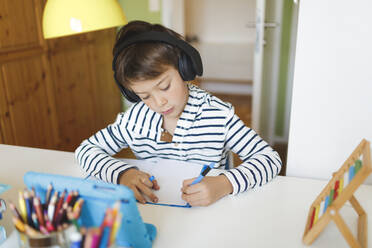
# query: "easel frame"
[[347, 194]]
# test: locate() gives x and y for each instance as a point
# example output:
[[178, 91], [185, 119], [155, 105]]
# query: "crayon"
[[59, 205], [115, 228], [83, 232], [105, 221], [18, 224], [116, 208], [35, 223], [72, 217], [78, 205], [22, 206], [64, 218], [105, 237], [52, 206], [48, 194], [62, 215], [38, 211], [58, 219], [96, 236], [69, 197], [15, 211], [74, 198], [107, 218], [48, 224], [32, 193], [30, 198], [28, 207], [117, 220], [88, 239]]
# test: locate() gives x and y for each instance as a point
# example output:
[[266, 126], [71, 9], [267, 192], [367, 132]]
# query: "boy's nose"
[[160, 101]]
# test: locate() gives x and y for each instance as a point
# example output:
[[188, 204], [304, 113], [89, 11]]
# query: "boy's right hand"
[[139, 182]]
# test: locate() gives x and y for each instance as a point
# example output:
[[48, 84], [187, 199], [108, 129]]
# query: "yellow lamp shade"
[[67, 17]]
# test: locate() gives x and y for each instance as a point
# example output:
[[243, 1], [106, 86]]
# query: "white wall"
[[173, 16], [225, 44], [332, 94], [221, 21]]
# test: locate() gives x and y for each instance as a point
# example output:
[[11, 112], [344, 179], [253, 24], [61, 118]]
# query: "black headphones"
[[189, 62]]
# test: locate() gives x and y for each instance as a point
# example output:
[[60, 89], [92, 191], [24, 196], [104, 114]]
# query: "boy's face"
[[166, 94]]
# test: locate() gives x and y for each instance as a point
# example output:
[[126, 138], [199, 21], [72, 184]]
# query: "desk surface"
[[271, 216]]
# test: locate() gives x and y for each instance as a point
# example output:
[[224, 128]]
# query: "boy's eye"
[[166, 88], [145, 97]]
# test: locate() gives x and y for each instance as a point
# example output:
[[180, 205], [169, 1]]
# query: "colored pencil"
[[22, 206]]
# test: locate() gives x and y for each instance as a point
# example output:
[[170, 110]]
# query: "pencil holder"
[[53, 240], [97, 197]]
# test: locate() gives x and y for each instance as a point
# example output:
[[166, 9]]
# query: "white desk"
[[271, 216]]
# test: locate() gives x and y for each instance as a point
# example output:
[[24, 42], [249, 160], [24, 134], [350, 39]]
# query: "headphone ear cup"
[[186, 68]]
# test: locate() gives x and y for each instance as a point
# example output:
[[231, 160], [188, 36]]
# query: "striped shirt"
[[207, 130]]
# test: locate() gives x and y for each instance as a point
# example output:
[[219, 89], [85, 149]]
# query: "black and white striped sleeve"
[[94, 155], [260, 162]]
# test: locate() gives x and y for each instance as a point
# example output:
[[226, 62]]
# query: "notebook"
[[170, 174]]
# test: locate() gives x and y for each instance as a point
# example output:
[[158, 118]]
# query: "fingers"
[[192, 189], [151, 184], [139, 182], [148, 192], [138, 195], [186, 188], [146, 180], [195, 200], [187, 182], [155, 185]]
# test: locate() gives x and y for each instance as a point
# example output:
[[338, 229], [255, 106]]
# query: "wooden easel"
[[347, 194]]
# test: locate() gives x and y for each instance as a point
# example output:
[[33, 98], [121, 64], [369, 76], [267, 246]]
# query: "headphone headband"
[[166, 38]]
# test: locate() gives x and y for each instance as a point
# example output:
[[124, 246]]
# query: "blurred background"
[[56, 92]]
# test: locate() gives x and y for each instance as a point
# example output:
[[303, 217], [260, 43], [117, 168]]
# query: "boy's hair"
[[143, 60]]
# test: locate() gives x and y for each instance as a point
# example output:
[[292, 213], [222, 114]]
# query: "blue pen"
[[152, 178], [203, 173]]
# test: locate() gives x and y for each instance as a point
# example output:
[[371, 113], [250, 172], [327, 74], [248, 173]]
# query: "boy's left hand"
[[208, 191]]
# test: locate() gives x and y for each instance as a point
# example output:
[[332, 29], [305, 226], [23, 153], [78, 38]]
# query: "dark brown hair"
[[144, 60]]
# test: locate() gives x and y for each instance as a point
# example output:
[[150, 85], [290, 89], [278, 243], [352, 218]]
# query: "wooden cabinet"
[[53, 93]]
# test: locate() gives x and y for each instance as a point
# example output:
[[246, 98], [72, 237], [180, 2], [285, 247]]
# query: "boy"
[[173, 119]]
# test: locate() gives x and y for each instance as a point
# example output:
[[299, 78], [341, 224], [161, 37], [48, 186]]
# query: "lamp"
[[68, 17]]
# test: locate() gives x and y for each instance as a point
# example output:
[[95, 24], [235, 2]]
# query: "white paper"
[[169, 174]]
